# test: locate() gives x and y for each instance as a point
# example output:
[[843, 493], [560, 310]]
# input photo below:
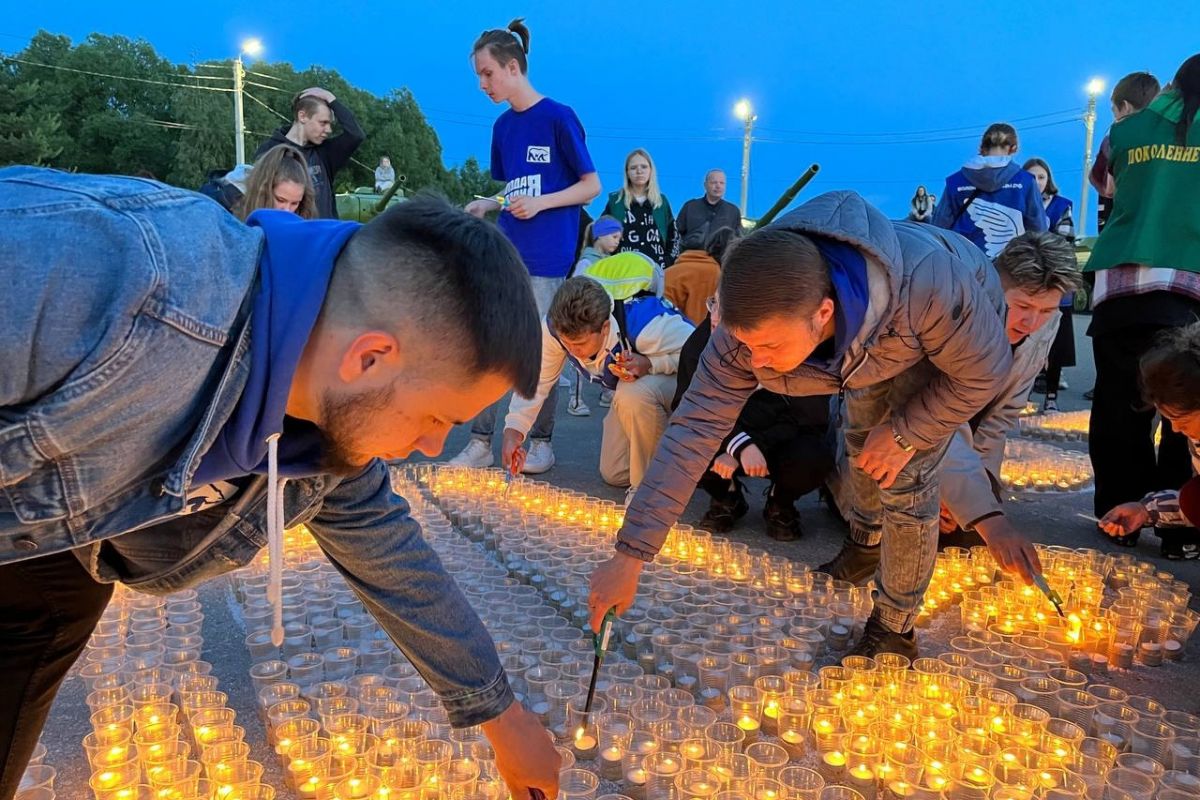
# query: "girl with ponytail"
[[539, 153]]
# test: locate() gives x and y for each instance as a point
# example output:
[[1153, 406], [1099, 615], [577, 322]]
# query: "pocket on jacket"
[[33, 482]]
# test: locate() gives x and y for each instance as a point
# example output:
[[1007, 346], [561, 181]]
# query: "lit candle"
[[635, 783], [833, 765], [610, 763], [862, 779], [793, 742], [585, 744]]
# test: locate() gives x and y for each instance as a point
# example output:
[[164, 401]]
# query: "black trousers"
[[48, 608], [797, 467], [1121, 433]]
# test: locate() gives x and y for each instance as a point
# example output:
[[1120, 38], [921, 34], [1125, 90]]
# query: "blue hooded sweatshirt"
[[1006, 203], [851, 294], [293, 277]]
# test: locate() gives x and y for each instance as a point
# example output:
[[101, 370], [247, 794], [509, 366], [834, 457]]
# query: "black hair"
[[1170, 370], [1187, 84], [719, 240], [505, 44], [771, 273], [436, 270]]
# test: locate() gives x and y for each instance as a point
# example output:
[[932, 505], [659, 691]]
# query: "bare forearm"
[[577, 194]]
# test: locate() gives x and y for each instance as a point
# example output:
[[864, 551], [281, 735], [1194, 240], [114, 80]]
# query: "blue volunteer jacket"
[[1006, 203]]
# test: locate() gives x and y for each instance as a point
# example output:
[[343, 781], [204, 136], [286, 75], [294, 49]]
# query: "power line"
[[116, 77], [267, 107], [890, 142], [263, 86], [916, 133]]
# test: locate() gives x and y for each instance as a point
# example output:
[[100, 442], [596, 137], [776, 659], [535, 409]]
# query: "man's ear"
[[369, 355]]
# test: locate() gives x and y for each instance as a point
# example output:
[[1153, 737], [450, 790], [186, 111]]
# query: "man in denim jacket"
[[158, 359]]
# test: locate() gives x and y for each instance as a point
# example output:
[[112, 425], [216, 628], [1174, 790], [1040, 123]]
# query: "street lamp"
[[1094, 87], [745, 112], [253, 48]]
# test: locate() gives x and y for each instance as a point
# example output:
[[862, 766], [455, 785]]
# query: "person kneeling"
[[1170, 380], [784, 439], [631, 347]]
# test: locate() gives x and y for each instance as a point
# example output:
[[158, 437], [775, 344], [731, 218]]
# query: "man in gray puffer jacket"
[[902, 320]]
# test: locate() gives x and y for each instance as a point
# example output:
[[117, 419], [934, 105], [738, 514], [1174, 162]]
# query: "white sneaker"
[[577, 408], [606, 396], [629, 493], [1062, 385], [477, 454], [540, 458]]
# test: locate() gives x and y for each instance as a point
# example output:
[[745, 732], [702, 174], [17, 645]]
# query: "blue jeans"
[[902, 518], [484, 425]]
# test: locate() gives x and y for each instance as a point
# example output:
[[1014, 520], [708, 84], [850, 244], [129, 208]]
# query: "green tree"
[[112, 105]]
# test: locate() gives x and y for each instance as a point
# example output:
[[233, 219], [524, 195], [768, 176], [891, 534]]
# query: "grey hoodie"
[[933, 296]]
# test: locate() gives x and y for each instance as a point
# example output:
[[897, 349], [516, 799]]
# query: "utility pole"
[[1094, 88], [745, 112]]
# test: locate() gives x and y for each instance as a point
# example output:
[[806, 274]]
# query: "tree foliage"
[[112, 105]]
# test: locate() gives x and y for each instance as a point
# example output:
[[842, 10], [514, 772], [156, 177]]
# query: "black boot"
[[855, 563], [724, 512], [783, 523], [877, 638]]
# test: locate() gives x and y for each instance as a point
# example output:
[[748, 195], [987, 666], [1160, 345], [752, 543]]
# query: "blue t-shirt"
[[539, 151]]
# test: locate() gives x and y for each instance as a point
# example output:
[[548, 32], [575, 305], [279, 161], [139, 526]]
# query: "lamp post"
[[745, 112], [1094, 87], [251, 47]]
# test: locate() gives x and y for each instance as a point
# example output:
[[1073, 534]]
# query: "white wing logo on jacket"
[[999, 224]]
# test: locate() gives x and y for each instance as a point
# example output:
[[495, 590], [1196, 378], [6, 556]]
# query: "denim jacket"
[[124, 339]]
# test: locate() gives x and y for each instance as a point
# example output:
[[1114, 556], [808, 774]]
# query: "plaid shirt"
[[1131, 279], [1163, 506]]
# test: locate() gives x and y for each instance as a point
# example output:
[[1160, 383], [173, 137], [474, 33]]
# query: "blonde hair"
[[653, 193]]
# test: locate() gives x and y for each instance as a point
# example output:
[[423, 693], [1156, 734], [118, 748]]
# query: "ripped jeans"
[[902, 518]]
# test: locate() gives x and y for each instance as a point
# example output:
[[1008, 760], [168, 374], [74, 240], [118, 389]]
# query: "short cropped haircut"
[[1137, 89], [1170, 370], [1039, 261], [308, 104], [580, 306], [433, 271], [771, 273]]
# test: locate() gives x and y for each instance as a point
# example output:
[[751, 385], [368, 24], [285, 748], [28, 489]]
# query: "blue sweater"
[[1006, 203]]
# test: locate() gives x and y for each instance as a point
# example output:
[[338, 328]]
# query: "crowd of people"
[[172, 400]]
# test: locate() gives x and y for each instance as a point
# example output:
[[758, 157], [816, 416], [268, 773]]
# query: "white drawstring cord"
[[275, 522]]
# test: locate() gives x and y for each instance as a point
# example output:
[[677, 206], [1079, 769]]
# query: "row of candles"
[[1037, 467], [1122, 611], [782, 706], [715, 689], [1060, 426], [161, 728]]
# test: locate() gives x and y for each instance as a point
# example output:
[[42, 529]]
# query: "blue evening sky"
[[884, 95]]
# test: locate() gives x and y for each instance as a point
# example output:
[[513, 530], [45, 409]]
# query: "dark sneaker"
[[1090, 394], [855, 563], [1050, 404], [783, 523], [1179, 547], [1039, 384], [878, 639], [724, 512]]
